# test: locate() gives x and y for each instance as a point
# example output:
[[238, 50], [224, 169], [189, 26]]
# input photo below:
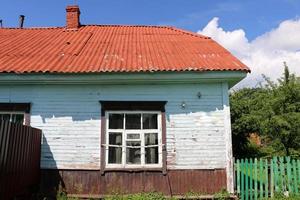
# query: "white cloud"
[[266, 53]]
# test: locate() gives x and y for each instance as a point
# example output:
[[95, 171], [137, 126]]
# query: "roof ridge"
[[127, 25], [33, 28], [115, 25], [189, 32]]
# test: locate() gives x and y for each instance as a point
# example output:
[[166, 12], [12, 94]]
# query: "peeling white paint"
[[69, 116]]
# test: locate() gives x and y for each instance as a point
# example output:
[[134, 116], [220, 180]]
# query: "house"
[[122, 108]]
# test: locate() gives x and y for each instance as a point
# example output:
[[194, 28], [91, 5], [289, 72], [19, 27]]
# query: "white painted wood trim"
[[228, 138], [142, 133]]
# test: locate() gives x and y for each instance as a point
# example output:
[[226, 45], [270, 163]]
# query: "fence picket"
[[256, 178], [251, 178], [261, 189], [267, 179], [243, 180], [276, 178], [246, 180], [298, 164], [282, 173], [271, 178], [238, 177], [288, 163], [295, 177]]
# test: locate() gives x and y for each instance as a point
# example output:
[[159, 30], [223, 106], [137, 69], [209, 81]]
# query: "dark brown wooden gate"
[[20, 149]]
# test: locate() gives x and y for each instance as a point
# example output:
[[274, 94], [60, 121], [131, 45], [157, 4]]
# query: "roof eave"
[[232, 77]]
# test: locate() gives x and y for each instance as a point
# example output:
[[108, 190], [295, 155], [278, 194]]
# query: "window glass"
[[133, 136], [115, 153], [116, 121], [115, 138], [151, 153], [133, 121], [149, 121], [133, 155]]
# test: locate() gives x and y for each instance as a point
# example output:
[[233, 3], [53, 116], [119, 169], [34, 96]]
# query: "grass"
[[280, 196], [222, 195]]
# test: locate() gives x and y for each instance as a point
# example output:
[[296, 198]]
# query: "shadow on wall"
[[51, 179]]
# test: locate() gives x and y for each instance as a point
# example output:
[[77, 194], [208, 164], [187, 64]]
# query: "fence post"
[[255, 179]]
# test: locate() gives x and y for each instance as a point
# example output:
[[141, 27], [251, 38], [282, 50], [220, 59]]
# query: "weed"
[[222, 195]]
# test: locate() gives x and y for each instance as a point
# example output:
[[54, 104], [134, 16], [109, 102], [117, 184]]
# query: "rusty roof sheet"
[[111, 48]]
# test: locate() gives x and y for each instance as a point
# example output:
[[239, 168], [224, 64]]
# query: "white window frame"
[[13, 113], [142, 139]]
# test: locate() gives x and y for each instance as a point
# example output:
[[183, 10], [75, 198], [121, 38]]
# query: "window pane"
[[151, 153], [149, 121], [133, 136], [133, 155], [116, 121], [151, 139], [115, 153], [115, 138], [5, 117], [18, 118], [133, 121]]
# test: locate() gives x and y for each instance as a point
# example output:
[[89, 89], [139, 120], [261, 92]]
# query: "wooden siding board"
[[176, 182], [70, 118]]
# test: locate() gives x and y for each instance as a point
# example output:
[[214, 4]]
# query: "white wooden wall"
[[69, 116]]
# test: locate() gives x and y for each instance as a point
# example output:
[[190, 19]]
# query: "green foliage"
[[281, 196], [222, 195], [62, 194], [273, 112], [138, 196]]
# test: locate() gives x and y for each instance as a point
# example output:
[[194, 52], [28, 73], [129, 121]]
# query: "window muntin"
[[141, 139], [15, 117]]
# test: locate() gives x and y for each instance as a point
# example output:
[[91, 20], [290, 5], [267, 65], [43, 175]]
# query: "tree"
[[244, 121], [282, 120], [272, 111]]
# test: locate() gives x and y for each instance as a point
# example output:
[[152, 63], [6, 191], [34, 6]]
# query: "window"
[[15, 112], [16, 117], [133, 139]]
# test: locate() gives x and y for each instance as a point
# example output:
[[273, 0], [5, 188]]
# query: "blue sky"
[[253, 16], [261, 33]]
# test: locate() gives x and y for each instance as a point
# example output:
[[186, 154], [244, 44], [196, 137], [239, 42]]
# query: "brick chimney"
[[73, 17]]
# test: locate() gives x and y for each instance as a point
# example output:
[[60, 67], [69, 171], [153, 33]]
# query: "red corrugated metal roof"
[[111, 48]]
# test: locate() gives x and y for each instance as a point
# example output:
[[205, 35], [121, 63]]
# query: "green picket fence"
[[262, 178]]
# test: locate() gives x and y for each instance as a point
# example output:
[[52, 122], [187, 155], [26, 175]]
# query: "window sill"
[[158, 169]]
